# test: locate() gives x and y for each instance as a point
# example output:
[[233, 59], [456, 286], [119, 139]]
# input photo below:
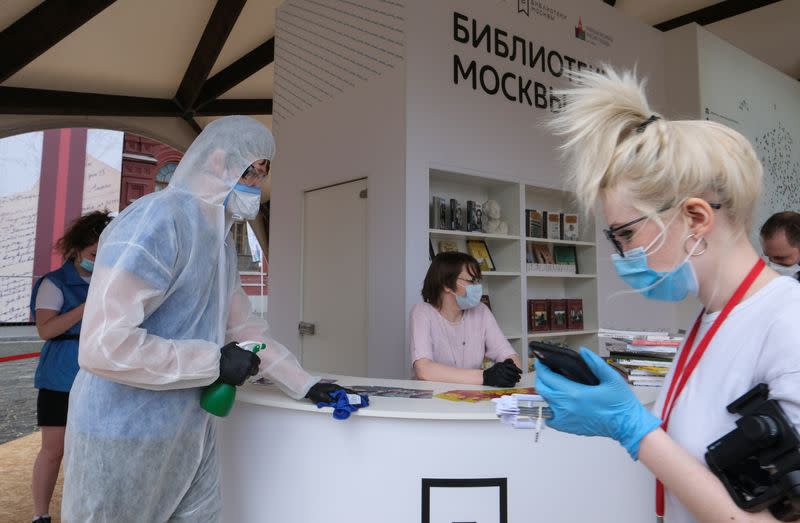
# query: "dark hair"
[[444, 271], [788, 221], [82, 233]]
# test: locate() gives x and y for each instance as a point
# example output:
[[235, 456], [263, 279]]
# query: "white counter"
[[287, 461]]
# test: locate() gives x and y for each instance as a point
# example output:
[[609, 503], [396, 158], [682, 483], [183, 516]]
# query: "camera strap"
[[685, 365]]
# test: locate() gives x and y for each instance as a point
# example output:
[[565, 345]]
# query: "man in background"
[[780, 240]]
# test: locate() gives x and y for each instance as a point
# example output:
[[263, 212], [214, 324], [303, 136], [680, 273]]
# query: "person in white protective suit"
[[163, 311]]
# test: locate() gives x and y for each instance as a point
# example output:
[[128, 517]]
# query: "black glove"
[[320, 392], [503, 374], [237, 364]]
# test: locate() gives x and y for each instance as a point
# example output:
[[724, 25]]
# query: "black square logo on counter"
[[478, 500]]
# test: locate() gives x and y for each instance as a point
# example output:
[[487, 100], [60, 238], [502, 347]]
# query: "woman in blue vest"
[[57, 304]]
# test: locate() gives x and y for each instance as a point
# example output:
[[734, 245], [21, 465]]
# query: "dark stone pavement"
[[17, 394]]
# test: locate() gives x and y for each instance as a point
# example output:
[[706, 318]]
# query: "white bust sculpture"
[[491, 219]]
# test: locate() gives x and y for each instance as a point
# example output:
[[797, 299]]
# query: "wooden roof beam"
[[22, 100], [238, 71], [231, 106], [40, 29], [714, 13], [219, 27]]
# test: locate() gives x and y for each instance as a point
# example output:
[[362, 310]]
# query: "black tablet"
[[564, 361]]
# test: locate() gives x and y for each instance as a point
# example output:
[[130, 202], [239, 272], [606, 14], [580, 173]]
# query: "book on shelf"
[[440, 214], [534, 224], [570, 226], [633, 370], [651, 380], [640, 361], [553, 225], [566, 255], [456, 220], [530, 259], [638, 334], [649, 351], [538, 315], [549, 268], [558, 314], [541, 253], [671, 342], [430, 250], [448, 246], [637, 383], [575, 314], [480, 251], [473, 216], [643, 379], [623, 346]]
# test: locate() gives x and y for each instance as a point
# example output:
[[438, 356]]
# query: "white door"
[[335, 279]]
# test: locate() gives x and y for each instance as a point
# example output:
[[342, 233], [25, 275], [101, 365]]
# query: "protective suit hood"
[[219, 155]]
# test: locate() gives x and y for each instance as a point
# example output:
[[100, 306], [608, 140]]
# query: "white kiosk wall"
[[392, 122], [712, 79], [339, 115], [763, 104], [461, 129]]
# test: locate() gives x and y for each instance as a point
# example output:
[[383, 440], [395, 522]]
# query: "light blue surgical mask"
[[87, 265], [784, 270], [472, 298], [672, 285], [243, 202]]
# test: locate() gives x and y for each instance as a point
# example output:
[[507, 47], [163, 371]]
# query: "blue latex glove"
[[341, 406], [608, 409]]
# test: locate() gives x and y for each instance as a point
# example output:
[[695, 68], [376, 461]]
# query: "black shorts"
[[51, 408]]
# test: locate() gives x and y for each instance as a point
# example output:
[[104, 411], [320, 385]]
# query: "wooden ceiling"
[[200, 59]]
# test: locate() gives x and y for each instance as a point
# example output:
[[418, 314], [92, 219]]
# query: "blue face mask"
[[243, 202], [472, 298], [672, 285], [87, 265]]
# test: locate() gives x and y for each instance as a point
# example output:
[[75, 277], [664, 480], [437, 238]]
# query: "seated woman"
[[453, 331]]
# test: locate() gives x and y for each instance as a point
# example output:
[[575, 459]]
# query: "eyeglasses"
[[473, 281], [253, 175], [611, 233]]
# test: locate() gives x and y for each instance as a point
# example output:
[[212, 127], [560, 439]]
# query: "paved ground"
[[17, 395]]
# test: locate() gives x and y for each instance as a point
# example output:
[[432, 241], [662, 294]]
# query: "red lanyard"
[[684, 370]]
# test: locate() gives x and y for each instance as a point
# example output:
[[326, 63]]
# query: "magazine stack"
[[642, 357]]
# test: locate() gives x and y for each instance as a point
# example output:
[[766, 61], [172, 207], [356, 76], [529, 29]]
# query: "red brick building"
[[147, 166]]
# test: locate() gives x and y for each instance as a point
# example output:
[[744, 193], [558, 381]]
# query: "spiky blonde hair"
[[658, 164]]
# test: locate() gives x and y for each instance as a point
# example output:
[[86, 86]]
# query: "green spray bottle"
[[218, 398]]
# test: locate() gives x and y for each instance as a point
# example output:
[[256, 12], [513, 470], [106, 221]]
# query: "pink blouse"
[[462, 344]]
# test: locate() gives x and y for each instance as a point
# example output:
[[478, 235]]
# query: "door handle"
[[306, 328]]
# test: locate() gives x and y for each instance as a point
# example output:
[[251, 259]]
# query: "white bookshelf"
[[558, 275], [577, 243], [583, 284], [560, 334], [465, 234], [511, 285]]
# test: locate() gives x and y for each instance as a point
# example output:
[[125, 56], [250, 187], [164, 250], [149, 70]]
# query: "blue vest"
[[58, 362]]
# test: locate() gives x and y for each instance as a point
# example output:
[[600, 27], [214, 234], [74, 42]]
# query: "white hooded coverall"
[[165, 296]]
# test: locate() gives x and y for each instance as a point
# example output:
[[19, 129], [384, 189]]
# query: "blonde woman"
[[678, 198]]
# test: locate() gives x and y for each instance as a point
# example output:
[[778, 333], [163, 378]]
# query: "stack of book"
[[642, 357]]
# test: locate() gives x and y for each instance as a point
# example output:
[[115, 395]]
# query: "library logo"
[[592, 35], [540, 9]]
